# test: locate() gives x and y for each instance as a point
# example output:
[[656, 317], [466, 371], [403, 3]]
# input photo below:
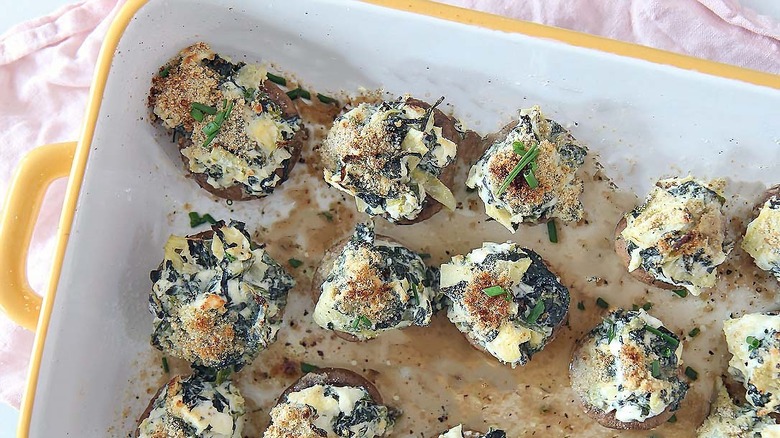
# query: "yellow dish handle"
[[33, 176]]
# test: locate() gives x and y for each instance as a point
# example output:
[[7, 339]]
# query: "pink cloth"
[[46, 67]]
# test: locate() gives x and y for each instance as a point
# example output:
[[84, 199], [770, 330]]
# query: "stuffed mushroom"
[[529, 173], [754, 342], [190, 407], [396, 158], [626, 371], [762, 238], [217, 298], [505, 300], [728, 420], [369, 284], [458, 432], [239, 135], [676, 238], [331, 402]]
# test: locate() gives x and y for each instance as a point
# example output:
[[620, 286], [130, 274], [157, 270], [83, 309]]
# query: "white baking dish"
[[91, 376]]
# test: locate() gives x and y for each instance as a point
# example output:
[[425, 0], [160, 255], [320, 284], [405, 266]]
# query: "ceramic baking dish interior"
[[642, 119]]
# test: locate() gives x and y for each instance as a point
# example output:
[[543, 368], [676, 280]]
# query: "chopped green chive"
[[425, 255], [295, 263], [211, 128], [682, 293], [308, 368], [249, 94], [198, 220], [669, 340], [222, 375], [414, 293], [494, 291], [519, 147], [691, 373], [197, 114], [164, 72], [327, 215], [601, 303], [209, 139], [695, 331], [634, 307], [647, 306], [667, 352], [611, 330], [230, 257], [298, 92], [361, 321], [655, 369], [530, 178], [752, 342], [552, 231], [536, 312], [276, 79], [165, 367], [205, 109], [529, 156], [581, 305], [326, 99], [672, 419]]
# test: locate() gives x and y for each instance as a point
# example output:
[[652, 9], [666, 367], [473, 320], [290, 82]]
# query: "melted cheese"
[[361, 297], [758, 366], [618, 378], [762, 238], [727, 420], [688, 214], [208, 417], [191, 292], [365, 157], [329, 409], [559, 189], [505, 334]]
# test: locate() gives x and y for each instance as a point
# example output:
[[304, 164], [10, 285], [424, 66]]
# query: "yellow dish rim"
[[422, 7]]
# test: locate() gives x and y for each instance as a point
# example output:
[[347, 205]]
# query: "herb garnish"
[[752, 342], [165, 367], [682, 293], [326, 99], [601, 303], [197, 220], [672, 419], [424, 255], [212, 128], [230, 257], [528, 156], [295, 263], [299, 92], [552, 231], [494, 291], [694, 331], [223, 375], [581, 305], [611, 330], [308, 368], [655, 369], [276, 79], [414, 292], [536, 312], [361, 321], [205, 109], [691, 373], [164, 72], [669, 340]]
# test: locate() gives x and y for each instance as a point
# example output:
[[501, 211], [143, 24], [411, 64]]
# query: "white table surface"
[[16, 12]]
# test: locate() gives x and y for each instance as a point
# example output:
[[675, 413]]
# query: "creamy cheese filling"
[[374, 286], [678, 234], [558, 191], [633, 371], [754, 342], [727, 420], [389, 157], [217, 301], [518, 321], [762, 238], [251, 144], [332, 411], [192, 407]]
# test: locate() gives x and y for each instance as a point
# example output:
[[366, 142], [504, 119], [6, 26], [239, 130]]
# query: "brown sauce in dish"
[[431, 373]]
